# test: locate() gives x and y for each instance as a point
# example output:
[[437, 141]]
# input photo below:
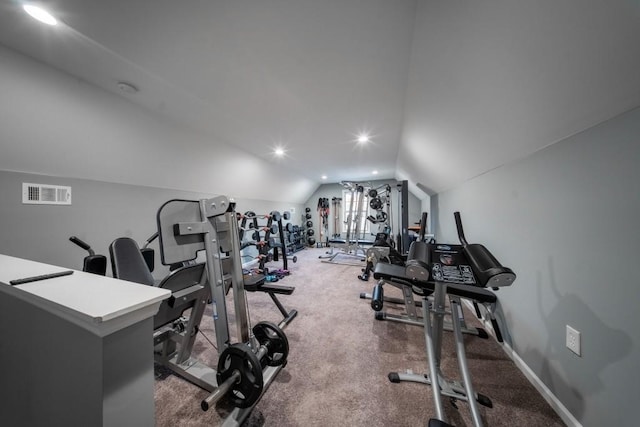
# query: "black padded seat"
[[188, 285], [257, 283], [127, 262]]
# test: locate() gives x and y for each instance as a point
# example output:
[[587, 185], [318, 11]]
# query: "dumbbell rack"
[[294, 238]]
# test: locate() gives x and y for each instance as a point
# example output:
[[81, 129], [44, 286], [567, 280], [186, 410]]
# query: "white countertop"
[[97, 303]]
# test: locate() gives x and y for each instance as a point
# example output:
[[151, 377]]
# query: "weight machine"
[[439, 271], [245, 368], [351, 245]]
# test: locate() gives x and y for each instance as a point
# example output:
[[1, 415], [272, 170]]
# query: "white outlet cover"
[[573, 340]]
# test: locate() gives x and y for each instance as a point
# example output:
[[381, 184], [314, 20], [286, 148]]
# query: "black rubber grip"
[[423, 226], [463, 240], [477, 308], [394, 377], [482, 333], [377, 297], [82, 244], [41, 277], [153, 237]]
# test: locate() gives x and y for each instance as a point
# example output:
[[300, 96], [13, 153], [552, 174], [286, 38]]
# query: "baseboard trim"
[[544, 391]]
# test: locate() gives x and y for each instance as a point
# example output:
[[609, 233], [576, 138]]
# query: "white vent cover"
[[44, 194]]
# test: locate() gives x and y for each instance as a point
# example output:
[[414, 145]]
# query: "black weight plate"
[[311, 241], [272, 337], [247, 391], [376, 204]]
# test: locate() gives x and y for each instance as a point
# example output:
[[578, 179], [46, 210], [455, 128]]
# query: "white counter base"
[[75, 350]]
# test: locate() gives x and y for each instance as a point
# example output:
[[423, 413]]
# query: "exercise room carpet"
[[339, 360]]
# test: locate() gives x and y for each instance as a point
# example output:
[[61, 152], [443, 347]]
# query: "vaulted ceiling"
[[447, 90]]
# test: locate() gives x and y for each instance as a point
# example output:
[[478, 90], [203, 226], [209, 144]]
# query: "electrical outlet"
[[573, 340]]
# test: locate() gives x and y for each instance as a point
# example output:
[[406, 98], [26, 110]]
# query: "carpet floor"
[[339, 359]]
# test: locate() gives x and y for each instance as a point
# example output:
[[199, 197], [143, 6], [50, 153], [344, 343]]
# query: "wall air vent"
[[44, 194]]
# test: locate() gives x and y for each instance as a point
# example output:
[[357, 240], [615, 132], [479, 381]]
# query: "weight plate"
[[376, 204], [239, 357], [272, 337]]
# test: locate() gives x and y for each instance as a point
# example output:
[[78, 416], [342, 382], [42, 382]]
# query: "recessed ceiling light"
[[324, 177], [40, 14], [279, 152], [374, 172], [363, 137]]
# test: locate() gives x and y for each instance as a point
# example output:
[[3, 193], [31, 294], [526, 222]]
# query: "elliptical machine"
[[440, 271]]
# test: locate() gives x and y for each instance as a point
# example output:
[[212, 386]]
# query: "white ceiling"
[[447, 89]]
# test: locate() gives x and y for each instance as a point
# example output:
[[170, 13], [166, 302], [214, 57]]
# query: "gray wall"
[[100, 213], [566, 220], [335, 190]]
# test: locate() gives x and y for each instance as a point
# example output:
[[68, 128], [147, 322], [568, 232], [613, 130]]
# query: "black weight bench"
[[257, 283]]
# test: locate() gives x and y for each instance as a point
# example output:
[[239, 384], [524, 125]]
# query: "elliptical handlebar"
[[463, 239]]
